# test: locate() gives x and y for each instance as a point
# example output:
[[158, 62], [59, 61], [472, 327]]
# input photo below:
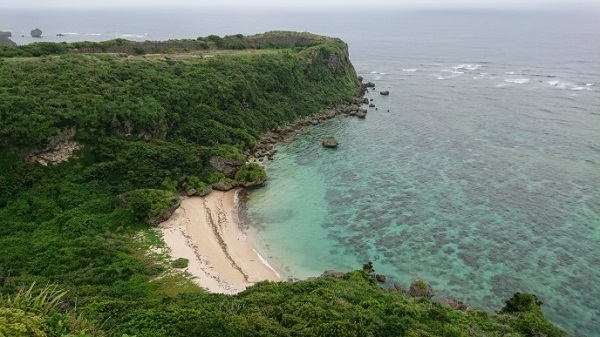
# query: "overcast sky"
[[407, 4]]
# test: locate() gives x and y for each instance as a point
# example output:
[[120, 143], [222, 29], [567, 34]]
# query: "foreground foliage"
[[148, 127]]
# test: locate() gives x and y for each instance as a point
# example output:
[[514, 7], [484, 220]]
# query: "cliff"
[[95, 145]]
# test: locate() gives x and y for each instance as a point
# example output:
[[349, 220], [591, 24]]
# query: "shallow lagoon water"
[[481, 177]]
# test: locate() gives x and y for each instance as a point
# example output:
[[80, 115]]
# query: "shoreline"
[[206, 231]]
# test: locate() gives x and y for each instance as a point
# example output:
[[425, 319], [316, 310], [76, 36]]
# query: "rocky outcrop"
[[165, 215], [5, 34], [60, 148], [330, 141], [384, 93], [36, 33], [332, 274], [264, 147], [199, 193], [227, 166], [224, 185], [6, 42], [228, 184], [250, 184], [380, 278], [369, 85], [458, 305], [397, 288], [420, 289]]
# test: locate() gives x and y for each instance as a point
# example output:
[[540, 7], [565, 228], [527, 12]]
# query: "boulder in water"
[[330, 141], [420, 289], [36, 33]]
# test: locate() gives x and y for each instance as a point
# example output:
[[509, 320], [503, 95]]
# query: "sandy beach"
[[205, 231]]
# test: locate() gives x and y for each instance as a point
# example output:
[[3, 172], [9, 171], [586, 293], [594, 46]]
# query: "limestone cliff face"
[[60, 148]]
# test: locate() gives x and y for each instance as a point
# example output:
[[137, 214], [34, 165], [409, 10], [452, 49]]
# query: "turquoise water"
[[477, 215], [480, 174]]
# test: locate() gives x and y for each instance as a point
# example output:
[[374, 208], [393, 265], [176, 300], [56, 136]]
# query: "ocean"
[[479, 173]]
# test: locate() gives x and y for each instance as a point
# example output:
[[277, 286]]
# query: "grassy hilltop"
[[98, 138]]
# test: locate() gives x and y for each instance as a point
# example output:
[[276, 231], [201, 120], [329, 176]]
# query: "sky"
[[382, 4]]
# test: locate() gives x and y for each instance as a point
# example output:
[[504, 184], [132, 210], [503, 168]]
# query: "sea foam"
[[467, 66], [266, 263], [517, 80]]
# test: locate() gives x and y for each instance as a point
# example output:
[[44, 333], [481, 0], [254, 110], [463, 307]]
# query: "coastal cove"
[[477, 172]]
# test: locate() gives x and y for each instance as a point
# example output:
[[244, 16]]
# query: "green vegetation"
[[147, 127], [36, 312], [250, 173], [180, 263], [149, 203], [228, 151]]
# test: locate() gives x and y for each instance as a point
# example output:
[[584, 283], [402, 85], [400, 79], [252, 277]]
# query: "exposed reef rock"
[[380, 278], [330, 141], [384, 93], [420, 289], [458, 305], [332, 274], [36, 33], [227, 166], [369, 85]]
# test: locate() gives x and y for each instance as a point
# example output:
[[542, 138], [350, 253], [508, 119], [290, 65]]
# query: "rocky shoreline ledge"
[[264, 147]]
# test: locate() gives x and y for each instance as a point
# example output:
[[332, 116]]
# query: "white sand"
[[205, 231]]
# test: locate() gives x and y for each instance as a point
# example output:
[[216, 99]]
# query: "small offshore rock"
[[36, 33], [330, 141], [369, 85], [360, 78], [380, 278], [420, 289], [384, 93], [371, 105], [458, 305]]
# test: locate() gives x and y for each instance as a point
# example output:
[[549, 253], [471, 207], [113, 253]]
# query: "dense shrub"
[[251, 172]]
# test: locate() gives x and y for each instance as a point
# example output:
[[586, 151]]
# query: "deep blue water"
[[479, 173]]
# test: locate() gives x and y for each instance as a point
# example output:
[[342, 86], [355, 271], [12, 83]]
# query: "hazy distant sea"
[[479, 173]]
